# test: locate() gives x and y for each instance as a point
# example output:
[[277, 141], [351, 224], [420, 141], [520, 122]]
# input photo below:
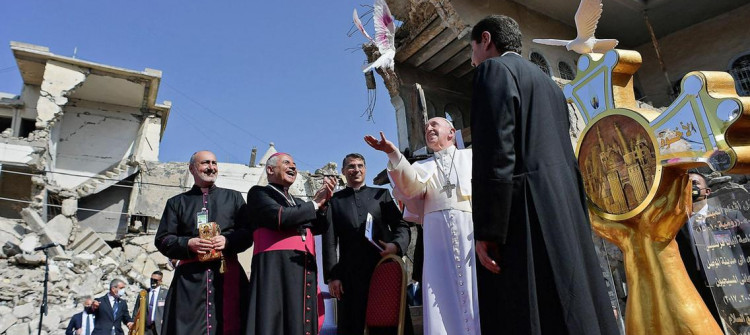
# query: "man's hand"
[[95, 304], [219, 242], [388, 248], [336, 289], [488, 253], [325, 192], [200, 246], [79, 331], [130, 325], [383, 145]]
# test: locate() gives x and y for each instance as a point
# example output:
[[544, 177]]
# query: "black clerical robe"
[[528, 197], [202, 300], [357, 257], [284, 295]]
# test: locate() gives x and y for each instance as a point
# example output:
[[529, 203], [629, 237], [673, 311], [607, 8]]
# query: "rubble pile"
[[84, 268]]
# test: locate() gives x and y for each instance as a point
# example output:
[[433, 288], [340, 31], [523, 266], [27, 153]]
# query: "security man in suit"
[[82, 323], [156, 297], [111, 309]]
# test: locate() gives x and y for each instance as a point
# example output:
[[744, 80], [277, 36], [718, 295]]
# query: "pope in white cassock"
[[437, 194]]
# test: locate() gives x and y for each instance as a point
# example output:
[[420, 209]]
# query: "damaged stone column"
[[60, 80]]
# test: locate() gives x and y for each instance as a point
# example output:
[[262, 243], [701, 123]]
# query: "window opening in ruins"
[[741, 72], [27, 126], [566, 72], [5, 123], [15, 189], [139, 223], [539, 60], [54, 205]]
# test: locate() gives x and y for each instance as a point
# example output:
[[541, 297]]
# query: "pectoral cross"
[[448, 188], [643, 215]]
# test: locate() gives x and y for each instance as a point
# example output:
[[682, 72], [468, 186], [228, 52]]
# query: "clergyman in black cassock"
[[348, 275], [204, 297], [530, 215], [284, 294]]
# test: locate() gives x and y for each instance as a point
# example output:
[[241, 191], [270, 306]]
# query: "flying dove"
[[587, 17], [384, 35]]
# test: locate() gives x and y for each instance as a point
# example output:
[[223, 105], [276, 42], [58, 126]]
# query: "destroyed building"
[[433, 73], [79, 166]]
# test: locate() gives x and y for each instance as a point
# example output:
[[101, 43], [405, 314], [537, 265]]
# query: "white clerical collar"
[[447, 151], [510, 52]]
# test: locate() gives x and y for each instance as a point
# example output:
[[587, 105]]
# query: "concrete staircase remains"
[[89, 241]]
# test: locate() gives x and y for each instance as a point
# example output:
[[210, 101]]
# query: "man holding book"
[[366, 225]]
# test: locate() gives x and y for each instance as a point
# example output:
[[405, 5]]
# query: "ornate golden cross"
[[634, 163]]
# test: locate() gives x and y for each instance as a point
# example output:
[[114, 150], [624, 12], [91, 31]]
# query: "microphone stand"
[[43, 307]]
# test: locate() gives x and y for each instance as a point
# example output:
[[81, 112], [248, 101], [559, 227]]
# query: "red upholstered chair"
[[386, 300]]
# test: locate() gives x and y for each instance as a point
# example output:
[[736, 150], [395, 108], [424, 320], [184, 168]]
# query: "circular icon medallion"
[[618, 163]]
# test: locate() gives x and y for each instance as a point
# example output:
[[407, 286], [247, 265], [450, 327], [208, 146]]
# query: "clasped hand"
[[202, 246], [325, 192]]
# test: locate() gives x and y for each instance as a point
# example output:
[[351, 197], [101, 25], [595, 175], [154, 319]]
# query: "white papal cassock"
[[449, 284]]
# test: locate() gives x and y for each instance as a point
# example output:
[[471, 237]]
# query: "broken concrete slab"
[[89, 241], [132, 251], [159, 259], [55, 235], [29, 242], [58, 229], [143, 240], [108, 265], [29, 259], [10, 249], [7, 320], [19, 329], [10, 243], [148, 268], [32, 219], [24, 311], [12, 227], [51, 320]]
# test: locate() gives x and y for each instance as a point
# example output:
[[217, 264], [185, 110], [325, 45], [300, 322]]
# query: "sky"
[[239, 74]]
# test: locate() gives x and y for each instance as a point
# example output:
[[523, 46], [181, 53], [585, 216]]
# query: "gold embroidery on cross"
[[634, 164]]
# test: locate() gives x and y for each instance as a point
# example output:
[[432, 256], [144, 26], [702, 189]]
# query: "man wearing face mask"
[[284, 294], [82, 323], [111, 310], [437, 194], [156, 299], [348, 275], [206, 296]]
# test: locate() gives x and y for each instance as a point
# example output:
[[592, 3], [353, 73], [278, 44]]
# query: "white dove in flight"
[[587, 17], [384, 35]]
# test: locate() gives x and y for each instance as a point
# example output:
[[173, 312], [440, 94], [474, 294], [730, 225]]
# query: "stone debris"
[[85, 270], [89, 241], [23, 311], [46, 233], [19, 329], [11, 234]]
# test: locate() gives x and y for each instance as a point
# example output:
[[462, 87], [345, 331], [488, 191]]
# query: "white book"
[[368, 232]]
